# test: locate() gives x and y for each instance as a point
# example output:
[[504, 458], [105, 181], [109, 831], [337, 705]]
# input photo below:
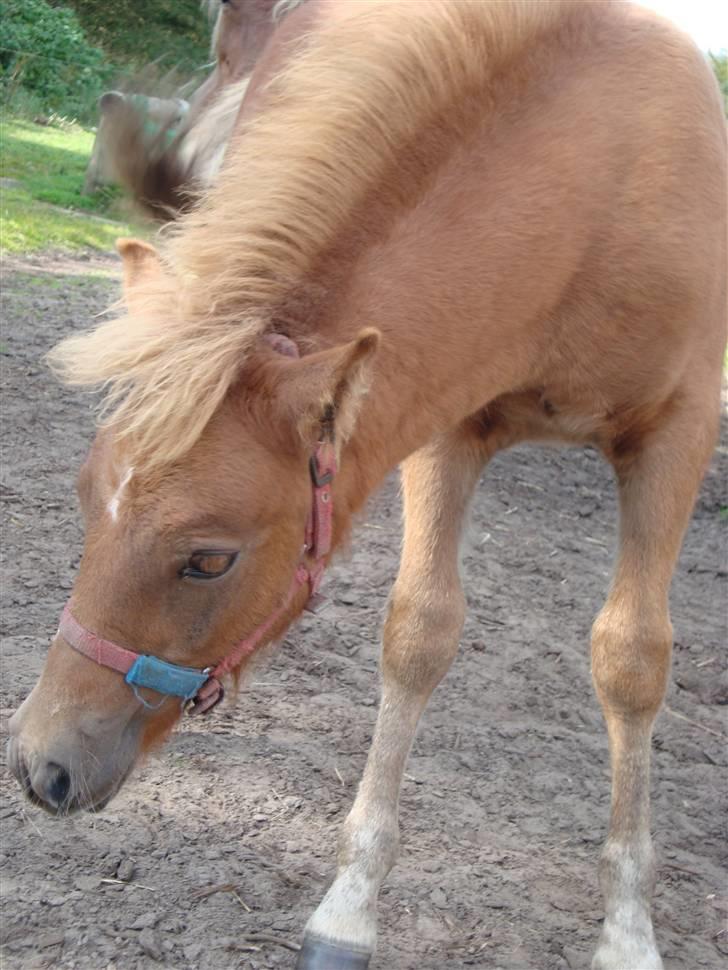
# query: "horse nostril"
[[58, 784]]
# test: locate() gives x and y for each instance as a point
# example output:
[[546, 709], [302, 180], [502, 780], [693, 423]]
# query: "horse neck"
[[438, 363], [456, 321], [394, 421]]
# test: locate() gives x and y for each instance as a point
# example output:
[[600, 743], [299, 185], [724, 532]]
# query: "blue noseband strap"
[[166, 678]]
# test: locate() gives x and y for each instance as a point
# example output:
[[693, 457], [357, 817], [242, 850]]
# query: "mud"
[[219, 848]]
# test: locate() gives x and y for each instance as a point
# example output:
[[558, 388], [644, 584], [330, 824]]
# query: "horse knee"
[[421, 635], [630, 660]]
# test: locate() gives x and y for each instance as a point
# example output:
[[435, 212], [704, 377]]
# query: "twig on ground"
[[697, 724], [132, 885], [242, 902], [269, 938], [674, 865], [223, 887]]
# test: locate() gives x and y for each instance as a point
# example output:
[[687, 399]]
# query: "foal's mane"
[[335, 120]]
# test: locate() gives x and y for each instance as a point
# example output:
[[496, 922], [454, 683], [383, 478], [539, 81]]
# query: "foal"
[[453, 227]]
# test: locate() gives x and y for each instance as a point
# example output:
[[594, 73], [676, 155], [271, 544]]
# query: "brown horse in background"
[[242, 29], [159, 119], [450, 227], [162, 174]]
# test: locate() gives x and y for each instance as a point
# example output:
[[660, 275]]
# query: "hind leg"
[[631, 646], [421, 635]]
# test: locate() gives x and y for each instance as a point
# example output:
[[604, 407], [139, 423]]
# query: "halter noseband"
[[201, 689]]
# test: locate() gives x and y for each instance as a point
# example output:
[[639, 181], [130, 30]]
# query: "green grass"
[[50, 162], [44, 207], [29, 226]]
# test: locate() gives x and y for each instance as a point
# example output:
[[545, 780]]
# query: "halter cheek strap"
[[201, 689]]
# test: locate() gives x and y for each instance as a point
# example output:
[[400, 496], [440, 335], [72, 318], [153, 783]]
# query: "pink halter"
[[200, 689]]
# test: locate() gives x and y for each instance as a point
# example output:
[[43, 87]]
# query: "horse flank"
[[365, 86]]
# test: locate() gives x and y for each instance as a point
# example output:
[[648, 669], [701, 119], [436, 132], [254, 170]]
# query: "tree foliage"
[[44, 50], [136, 32], [58, 57]]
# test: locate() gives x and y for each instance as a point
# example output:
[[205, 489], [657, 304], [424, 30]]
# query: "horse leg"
[[421, 635], [631, 646]]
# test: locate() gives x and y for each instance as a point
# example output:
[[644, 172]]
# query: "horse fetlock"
[[373, 846], [627, 876], [627, 947], [627, 870], [346, 918], [347, 915]]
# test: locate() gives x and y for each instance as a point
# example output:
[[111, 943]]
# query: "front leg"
[[631, 646], [342, 933], [421, 636]]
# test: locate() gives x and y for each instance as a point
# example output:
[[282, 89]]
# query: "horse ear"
[[140, 262], [110, 101], [327, 388]]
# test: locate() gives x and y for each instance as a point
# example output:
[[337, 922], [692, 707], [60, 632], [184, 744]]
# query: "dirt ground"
[[229, 833]]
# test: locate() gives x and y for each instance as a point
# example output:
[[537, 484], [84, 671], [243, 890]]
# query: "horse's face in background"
[[180, 562], [241, 30], [158, 118]]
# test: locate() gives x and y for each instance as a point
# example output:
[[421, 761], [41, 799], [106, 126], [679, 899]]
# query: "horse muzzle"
[[63, 769]]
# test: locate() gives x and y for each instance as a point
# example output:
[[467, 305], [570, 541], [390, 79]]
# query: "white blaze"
[[116, 498]]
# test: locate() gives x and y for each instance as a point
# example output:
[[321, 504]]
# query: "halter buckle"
[[318, 477], [315, 603], [207, 697]]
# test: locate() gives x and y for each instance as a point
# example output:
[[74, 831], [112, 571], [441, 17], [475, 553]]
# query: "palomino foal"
[[527, 201]]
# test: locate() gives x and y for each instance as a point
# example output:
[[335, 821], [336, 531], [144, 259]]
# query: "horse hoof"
[[316, 954]]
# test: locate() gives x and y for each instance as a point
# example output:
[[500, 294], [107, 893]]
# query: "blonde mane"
[[334, 125], [203, 146]]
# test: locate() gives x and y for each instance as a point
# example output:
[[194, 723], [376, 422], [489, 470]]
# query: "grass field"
[[41, 200]]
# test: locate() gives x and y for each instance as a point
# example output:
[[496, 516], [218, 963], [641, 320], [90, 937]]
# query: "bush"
[[137, 32], [44, 53]]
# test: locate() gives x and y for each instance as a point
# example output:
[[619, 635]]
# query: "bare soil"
[[219, 848]]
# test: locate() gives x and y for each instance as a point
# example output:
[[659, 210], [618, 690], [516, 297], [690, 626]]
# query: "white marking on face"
[[116, 498]]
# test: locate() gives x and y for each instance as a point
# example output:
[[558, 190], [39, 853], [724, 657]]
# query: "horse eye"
[[208, 564]]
